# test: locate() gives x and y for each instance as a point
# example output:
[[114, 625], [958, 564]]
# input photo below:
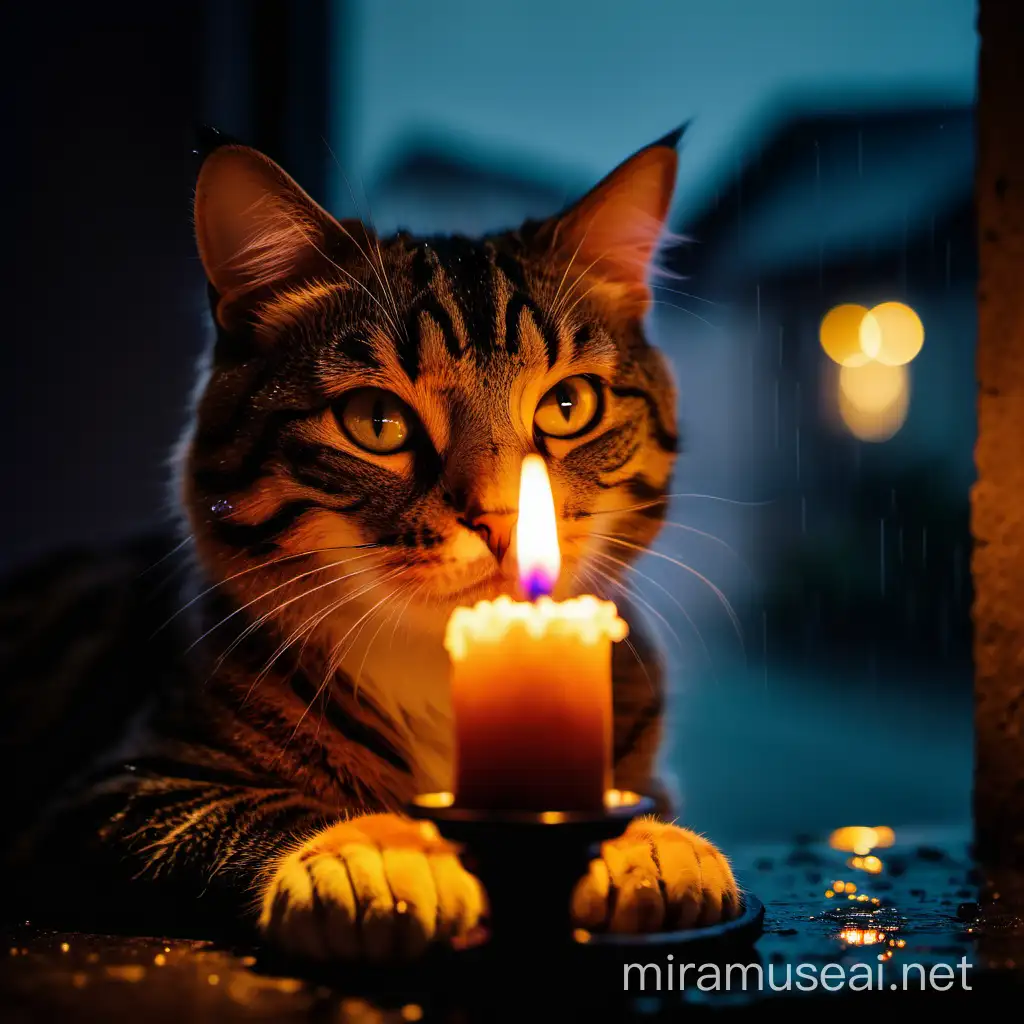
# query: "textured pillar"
[[998, 496]]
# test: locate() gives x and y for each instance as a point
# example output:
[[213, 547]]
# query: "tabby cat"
[[350, 474]]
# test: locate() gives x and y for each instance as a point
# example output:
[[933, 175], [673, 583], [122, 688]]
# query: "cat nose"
[[496, 530]]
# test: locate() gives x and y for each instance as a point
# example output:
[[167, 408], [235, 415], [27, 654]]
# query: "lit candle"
[[532, 681]]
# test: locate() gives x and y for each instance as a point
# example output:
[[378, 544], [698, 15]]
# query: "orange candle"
[[532, 682]]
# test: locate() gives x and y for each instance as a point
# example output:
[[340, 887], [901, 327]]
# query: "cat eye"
[[375, 420], [570, 408]]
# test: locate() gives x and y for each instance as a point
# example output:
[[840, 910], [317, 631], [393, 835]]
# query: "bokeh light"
[[861, 839], [862, 936], [840, 335], [874, 399], [891, 333], [872, 865], [872, 348]]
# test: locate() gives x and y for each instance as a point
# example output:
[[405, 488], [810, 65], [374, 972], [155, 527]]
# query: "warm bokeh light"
[[620, 798], [873, 399], [442, 799], [862, 936], [872, 865], [537, 530], [840, 334], [872, 348], [891, 333], [873, 387], [885, 835], [861, 839]]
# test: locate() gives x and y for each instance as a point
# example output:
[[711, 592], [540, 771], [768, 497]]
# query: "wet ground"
[[906, 913], [769, 771]]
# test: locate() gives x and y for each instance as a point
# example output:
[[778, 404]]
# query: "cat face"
[[369, 401]]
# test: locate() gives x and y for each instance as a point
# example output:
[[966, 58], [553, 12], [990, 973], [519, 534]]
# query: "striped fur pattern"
[[302, 678]]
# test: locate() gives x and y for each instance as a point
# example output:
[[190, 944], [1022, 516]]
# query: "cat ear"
[[613, 232], [257, 230]]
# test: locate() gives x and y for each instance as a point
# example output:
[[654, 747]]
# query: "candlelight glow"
[[586, 620], [537, 530], [441, 799]]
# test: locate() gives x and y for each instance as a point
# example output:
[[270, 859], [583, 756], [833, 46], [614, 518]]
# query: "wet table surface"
[[909, 918]]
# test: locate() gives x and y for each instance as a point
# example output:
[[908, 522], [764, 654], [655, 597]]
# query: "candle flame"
[[537, 530]]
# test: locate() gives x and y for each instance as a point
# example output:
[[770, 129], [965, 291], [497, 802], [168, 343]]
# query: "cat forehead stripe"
[[477, 279]]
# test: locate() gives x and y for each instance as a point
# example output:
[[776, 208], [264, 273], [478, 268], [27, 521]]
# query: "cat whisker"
[[359, 672], [392, 614], [730, 611], [263, 619], [556, 305], [391, 575], [314, 620], [710, 536], [401, 616], [632, 595], [273, 590], [378, 270], [629, 644], [255, 568], [359, 284], [350, 276], [335, 659], [186, 562], [580, 298], [340, 649], [669, 497], [683, 309], [650, 579], [164, 557], [686, 295]]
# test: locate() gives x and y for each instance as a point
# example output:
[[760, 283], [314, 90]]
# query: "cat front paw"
[[378, 888], [655, 877]]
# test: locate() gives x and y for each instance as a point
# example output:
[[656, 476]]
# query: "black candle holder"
[[529, 863]]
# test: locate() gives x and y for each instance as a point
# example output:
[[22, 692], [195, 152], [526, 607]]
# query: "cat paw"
[[655, 877], [378, 887]]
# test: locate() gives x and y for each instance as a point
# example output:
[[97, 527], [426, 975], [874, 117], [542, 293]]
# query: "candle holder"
[[529, 861]]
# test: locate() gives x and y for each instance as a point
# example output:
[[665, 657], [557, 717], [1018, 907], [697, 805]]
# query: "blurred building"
[[866, 552]]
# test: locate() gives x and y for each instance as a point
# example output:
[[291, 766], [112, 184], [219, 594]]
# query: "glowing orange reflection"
[[862, 936], [872, 865], [442, 799]]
